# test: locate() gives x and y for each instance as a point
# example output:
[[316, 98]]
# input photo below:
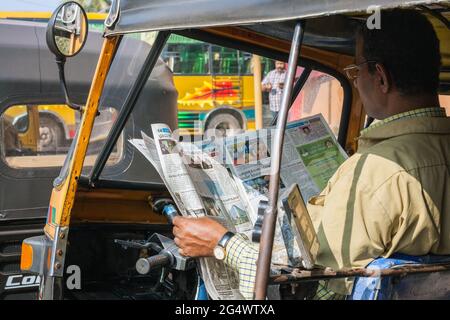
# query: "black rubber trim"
[[84, 182]]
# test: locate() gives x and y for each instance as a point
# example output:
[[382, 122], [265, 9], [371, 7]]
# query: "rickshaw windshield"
[[198, 85], [128, 61]]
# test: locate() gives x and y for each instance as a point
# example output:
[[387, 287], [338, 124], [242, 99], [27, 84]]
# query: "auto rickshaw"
[[102, 209]]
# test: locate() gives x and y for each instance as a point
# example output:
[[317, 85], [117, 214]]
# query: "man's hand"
[[267, 87], [197, 237]]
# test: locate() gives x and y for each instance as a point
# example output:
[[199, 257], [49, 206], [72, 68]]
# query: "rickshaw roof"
[[330, 24], [151, 15]]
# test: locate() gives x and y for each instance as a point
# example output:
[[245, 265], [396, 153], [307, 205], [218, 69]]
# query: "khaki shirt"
[[391, 196]]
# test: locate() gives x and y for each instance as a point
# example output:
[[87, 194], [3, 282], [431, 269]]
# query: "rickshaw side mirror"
[[66, 35], [67, 30]]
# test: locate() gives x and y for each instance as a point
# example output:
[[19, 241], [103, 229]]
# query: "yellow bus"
[[215, 85], [95, 20]]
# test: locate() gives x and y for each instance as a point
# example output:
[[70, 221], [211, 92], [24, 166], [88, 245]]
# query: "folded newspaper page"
[[225, 179], [199, 186]]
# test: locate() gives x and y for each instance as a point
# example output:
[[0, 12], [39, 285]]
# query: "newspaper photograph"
[[216, 187]]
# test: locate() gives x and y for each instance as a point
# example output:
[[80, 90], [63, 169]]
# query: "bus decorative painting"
[[215, 85]]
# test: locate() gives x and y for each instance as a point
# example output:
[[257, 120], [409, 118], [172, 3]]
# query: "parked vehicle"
[[36, 130], [29, 88]]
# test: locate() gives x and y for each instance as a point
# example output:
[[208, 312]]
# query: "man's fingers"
[[176, 231], [181, 221], [176, 220], [182, 252], [177, 241]]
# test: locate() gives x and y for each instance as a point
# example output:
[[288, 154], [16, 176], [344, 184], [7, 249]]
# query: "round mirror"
[[67, 30]]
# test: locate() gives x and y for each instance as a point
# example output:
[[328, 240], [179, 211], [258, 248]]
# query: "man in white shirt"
[[274, 84]]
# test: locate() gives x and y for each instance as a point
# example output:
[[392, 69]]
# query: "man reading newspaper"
[[391, 195]]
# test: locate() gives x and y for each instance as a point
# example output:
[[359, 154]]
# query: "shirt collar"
[[428, 122], [422, 112]]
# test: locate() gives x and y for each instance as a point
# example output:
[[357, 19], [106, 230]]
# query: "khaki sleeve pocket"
[[316, 201], [315, 207]]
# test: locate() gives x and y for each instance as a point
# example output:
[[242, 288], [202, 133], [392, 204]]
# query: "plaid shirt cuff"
[[241, 255]]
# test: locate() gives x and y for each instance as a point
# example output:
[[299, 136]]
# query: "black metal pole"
[[61, 61], [270, 217]]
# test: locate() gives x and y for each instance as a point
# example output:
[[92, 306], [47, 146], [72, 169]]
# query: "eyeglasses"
[[352, 70]]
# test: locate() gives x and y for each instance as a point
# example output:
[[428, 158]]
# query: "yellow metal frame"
[[29, 139], [62, 198]]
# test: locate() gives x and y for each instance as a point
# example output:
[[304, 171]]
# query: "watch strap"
[[225, 238]]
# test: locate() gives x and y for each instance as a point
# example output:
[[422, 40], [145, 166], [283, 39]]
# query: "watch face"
[[219, 253]]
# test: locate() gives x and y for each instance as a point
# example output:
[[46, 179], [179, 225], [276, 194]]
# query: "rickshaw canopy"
[[145, 15], [330, 24]]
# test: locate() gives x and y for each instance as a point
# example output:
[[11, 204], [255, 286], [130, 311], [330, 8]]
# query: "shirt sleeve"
[[267, 79], [241, 255]]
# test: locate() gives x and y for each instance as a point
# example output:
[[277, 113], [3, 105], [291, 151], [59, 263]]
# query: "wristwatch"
[[219, 250]]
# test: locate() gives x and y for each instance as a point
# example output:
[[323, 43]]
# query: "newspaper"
[[310, 157], [225, 179]]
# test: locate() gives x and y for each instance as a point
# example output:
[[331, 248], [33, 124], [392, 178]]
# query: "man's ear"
[[383, 78]]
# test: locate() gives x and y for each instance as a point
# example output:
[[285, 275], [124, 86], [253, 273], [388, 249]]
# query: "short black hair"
[[407, 45]]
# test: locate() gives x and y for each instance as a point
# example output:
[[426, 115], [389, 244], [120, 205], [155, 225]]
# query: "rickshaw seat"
[[434, 285]]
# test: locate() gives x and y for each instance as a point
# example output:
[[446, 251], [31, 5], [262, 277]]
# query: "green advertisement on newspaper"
[[321, 159]]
